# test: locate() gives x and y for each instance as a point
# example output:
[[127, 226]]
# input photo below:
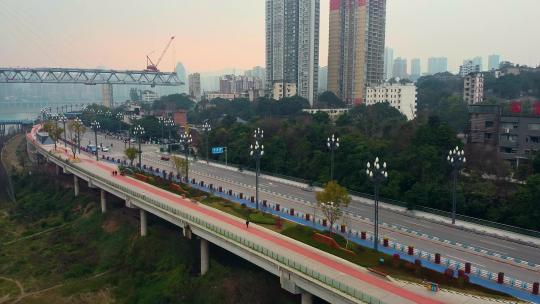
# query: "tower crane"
[[150, 66]]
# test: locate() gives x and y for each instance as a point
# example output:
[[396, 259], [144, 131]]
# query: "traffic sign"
[[217, 150]]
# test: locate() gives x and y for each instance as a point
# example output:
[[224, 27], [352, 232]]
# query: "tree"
[[174, 102], [48, 126], [329, 100], [76, 128], [131, 154], [179, 164], [331, 201], [55, 133]]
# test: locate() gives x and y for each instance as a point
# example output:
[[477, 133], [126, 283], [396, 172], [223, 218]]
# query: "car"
[[104, 149], [132, 140], [91, 148], [165, 157]]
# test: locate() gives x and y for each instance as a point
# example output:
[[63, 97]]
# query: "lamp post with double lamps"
[[95, 127], [138, 131], [456, 159], [378, 174], [185, 141], [206, 129], [333, 144], [257, 151]]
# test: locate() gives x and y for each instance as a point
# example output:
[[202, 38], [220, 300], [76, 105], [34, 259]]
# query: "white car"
[[105, 149]]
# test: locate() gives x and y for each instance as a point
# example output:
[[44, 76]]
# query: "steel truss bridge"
[[88, 76]]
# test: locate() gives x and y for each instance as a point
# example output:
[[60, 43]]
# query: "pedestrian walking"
[[247, 223]]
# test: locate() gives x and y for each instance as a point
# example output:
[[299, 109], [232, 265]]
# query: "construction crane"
[[150, 66]]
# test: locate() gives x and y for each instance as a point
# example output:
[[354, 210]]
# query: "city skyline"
[[108, 38]]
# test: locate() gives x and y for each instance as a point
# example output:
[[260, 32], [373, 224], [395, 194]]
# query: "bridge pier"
[[143, 222], [307, 298], [76, 184], [103, 201], [205, 261], [57, 170]]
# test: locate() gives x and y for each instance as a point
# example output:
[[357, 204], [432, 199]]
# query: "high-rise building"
[[400, 68], [416, 69], [473, 88], [388, 63], [195, 85], [478, 61], [323, 79], [292, 45], [494, 62], [182, 76], [356, 47], [469, 66], [437, 65]]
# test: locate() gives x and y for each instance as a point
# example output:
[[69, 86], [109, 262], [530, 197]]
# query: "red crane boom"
[[150, 66]]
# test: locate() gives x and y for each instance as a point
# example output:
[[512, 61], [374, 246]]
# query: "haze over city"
[[214, 35]]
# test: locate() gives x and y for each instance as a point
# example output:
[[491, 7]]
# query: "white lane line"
[[462, 260]]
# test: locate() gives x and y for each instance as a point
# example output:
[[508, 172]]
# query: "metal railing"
[[269, 254]]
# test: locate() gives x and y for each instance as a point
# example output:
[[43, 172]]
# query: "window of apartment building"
[[507, 150], [509, 137], [488, 124], [534, 127], [533, 139], [487, 136], [509, 125]]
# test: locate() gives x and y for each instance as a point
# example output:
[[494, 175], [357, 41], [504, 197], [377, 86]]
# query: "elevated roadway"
[[290, 195], [301, 269]]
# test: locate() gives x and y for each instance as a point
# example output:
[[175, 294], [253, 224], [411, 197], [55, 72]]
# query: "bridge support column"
[[143, 222], [57, 170], [103, 201], [307, 298], [205, 262], [76, 184]]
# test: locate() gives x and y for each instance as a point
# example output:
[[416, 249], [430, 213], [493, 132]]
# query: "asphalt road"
[[291, 197]]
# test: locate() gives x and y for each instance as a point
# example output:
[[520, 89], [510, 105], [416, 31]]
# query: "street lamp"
[[185, 141], [161, 121], [257, 151], [333, 144], [95, 126], [206, 129], [457, 160], [169, 123], [78, 123], [378, 175], [63, 119], [138, 131], [120, 117]]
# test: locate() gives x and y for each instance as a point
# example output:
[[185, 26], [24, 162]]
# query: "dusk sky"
[[214, 34]]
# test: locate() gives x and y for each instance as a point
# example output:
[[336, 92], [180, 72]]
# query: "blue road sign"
[[217, 150]]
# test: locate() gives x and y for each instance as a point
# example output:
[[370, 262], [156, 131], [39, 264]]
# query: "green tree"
[[174, 102], [180, 164], [131, 154], [75, 128], [331, 201], [329, 100], [55, 133]]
